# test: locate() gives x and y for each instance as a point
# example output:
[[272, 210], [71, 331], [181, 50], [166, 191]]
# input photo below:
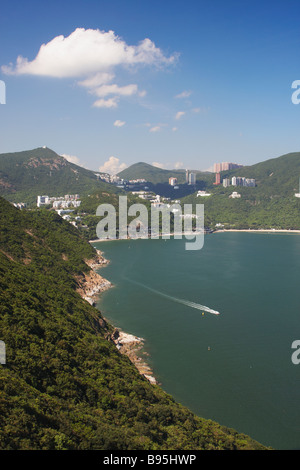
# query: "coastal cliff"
[[90, 286]]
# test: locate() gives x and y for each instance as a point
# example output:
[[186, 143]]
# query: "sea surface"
[[234, 368]]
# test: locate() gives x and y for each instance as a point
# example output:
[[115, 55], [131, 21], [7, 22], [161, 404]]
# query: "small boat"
[[208, 348]]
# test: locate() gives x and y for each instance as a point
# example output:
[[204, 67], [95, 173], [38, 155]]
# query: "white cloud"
[[86, 52], [178, 165], [174, 129], [155, 129], [114, 89], [110, 103], [99, 79], [92, 56], [112, 166], [119, 123], [179, 115], [71, 158], [184, 94], [158, 165]]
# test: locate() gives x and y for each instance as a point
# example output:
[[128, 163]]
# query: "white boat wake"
[[188, 303]]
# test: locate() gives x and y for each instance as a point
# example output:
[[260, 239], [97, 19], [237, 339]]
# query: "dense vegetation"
[[24, 175], [271, 204], [65, 386], [151, 173]]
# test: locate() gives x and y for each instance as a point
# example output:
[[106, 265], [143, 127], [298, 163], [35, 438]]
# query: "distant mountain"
[[276, 176], [24, 175], [157, 175], [151, 173], [271, 204]]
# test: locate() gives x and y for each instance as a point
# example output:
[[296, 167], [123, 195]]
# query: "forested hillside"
[[270, 204], [65, 385], [24, 175]]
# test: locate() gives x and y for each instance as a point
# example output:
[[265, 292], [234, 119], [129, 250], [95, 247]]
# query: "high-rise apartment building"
[[218, 179], [172, 181], [225, 166], [192, 178]]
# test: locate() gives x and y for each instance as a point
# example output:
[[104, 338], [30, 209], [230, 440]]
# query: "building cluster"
[[239, 181], [235, 195], [172, 181], [137, 181], [190, 177], [235, 180], [203, 194], [225, 166], [69, 200], [120, 182], [156, 200], [20, 205], [114, 179]]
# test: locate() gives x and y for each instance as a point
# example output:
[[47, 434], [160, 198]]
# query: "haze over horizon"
[[173, 85]]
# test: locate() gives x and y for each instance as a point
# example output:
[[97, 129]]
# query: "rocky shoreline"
[[90, 287]]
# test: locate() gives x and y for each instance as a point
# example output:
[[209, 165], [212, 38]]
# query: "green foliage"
[[65, 386], [271, 204], [25, 175], [157, 176]]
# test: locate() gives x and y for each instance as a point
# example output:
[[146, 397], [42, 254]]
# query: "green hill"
[[151, 173], [24, 175], [156, 175], [65, 385], [271, 204], [274, 177]]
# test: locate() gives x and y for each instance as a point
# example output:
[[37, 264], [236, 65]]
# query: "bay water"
[[234, 368]]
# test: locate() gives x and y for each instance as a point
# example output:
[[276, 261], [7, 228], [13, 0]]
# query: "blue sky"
[[213, 82]]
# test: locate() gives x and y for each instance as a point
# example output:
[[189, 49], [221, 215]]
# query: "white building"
[[235, 195], [62, 212], [242, 181], [42, 201], [250, 182], [172, 181], [203, 194], [20, 205], [192, 178]]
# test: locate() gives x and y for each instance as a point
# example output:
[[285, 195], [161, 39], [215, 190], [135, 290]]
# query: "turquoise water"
[[235, 367]]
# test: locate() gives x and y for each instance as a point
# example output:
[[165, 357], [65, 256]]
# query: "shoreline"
[[130, 345], [258, 230], [246, 230], [160, 237]]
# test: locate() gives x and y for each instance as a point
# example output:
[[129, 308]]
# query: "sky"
[[177, 84]]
